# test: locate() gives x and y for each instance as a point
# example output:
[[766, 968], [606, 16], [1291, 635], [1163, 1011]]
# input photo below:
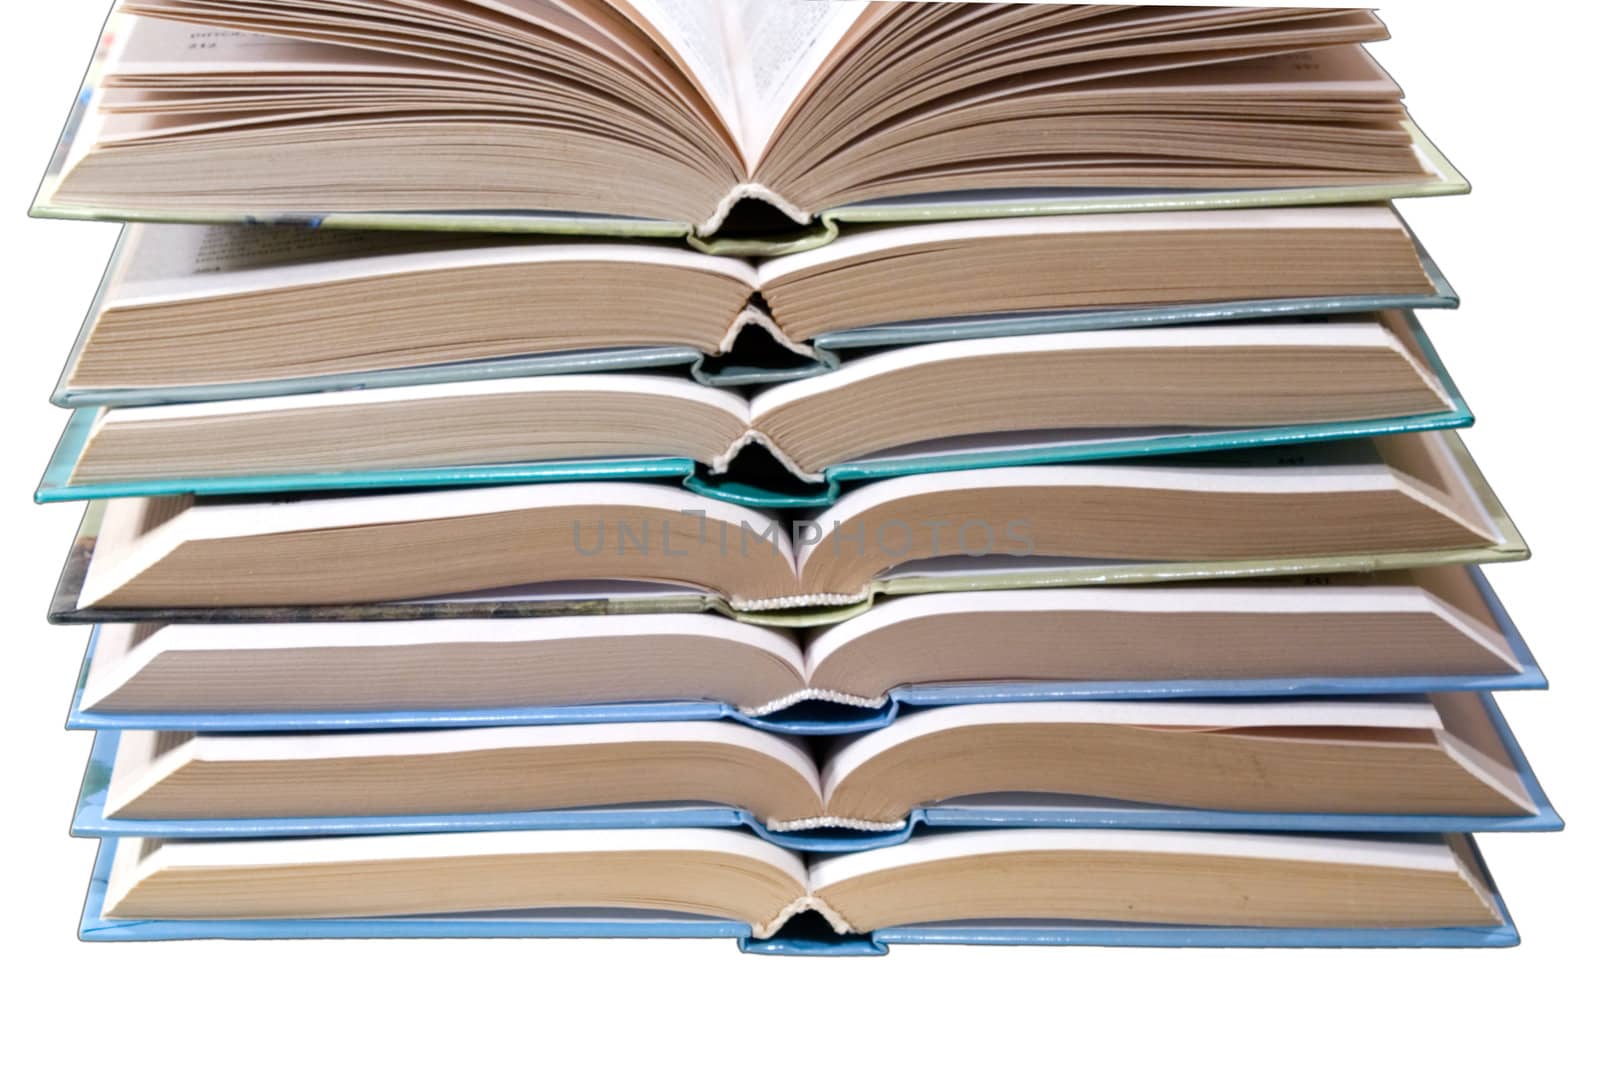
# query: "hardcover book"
[[626, 548], [819, 473], [1406, 632], [1049, 398], [190, 312], [1106, 887], [766, 124], [1441, 763]]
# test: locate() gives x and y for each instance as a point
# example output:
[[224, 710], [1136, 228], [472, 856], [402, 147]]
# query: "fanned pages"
[[1439, 755], [1257, 880], [1426, 623], [779, 108]]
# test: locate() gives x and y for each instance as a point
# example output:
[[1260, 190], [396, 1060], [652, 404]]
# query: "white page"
[[697, 31], [256, 517], [382, 847], [152, 46], [777, 47], [753, 57], [167, 263], [398, 743]]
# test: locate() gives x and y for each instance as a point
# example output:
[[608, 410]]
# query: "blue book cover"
[[999, 812], [58, 483], [795, 938], [818, 717]]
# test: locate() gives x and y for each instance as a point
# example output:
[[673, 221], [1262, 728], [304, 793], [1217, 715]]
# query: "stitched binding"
[[806, 903], [721, 463], [751, 315], [802, 600], [830, 822], [830, 695], [752, 191]]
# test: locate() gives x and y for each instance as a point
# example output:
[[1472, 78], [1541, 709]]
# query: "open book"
[[187, 309], [1432, 624], [296, 307], [1327, 506], [1140, 876], [739, 116], [982, 402], [1393, 756]]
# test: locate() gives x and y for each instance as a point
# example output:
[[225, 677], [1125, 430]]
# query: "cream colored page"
[[696, 31], [1358, 595], [370, 744], [382, 847], [157, 46], [722, 400], [1400, 713], [1184, 338], [776, 48], [1402, 854], [567, 19], [752, 56], [886, 241]]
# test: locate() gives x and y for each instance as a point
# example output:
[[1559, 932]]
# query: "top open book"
[[724, 120]]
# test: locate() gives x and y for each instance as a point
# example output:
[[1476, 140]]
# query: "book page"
[[260, 516], [752, 57], [1396, 713], [1338, 334], [159, 263], [668, 389], [777, 47], [1404, 854], [156, 47], [181, 262], [887, 241], [382, 744], [1349, 594], [695, 31], [379, 847]]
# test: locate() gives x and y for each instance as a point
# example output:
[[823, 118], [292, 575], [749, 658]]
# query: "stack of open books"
[[826, 474]]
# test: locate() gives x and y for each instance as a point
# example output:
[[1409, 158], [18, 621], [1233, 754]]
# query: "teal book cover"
[[784, 487]]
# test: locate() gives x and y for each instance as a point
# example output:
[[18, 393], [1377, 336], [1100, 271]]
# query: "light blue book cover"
[[58, 483], [797, 938], [989, 812], [815, 717]]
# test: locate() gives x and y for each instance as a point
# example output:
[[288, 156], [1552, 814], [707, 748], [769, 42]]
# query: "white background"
[[1506, 90]]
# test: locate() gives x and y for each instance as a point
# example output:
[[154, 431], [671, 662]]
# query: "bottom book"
[[1087, 887]]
